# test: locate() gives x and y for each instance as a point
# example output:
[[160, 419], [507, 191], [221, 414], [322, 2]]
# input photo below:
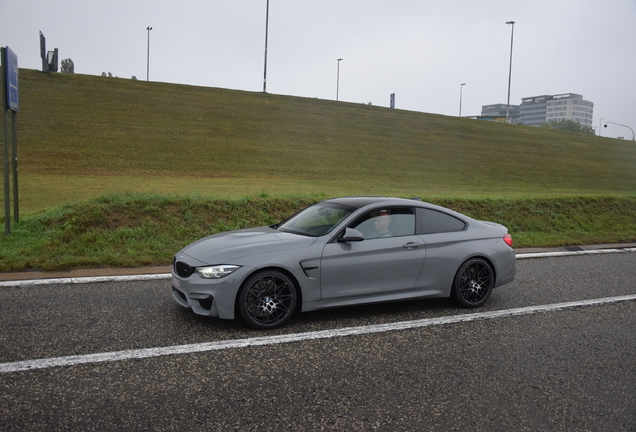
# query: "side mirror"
[[351, 235]]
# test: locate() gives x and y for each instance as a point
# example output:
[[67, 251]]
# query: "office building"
[[537, 110], [498, 112], [568, 106]]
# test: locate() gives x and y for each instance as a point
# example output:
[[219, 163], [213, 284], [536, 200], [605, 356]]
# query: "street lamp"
[[510, 69], [599, 126], [461, 86], [338, 80], [266, 29], [633, 136], [148, 60]]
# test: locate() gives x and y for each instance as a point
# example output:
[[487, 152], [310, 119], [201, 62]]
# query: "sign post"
[[10, 102]]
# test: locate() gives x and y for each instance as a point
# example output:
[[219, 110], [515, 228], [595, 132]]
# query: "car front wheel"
[[473, 283], [267, 300]]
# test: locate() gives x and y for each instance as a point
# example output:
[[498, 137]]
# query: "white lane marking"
[[26, 365], [158, 276]]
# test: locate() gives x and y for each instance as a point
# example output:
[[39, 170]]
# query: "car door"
[[385, 262]]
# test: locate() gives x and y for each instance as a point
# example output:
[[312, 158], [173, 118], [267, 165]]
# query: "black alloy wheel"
[[267, 300], [473, 283]]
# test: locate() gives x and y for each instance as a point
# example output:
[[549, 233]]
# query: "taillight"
[[508, 239]]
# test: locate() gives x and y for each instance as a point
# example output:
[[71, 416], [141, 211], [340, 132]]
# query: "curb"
[[83, 273]]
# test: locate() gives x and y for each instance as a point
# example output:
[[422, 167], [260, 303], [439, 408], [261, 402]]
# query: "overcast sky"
[[422, 50]]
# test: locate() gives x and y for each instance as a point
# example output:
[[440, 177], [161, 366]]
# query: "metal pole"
[[5, 170], [338, 80], [5, 144], [14, 153], [266, 30], [148, 57], [618, 124], [510, 69], [599, 126], [461, 86]]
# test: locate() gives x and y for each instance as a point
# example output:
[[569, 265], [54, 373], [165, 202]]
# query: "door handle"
[[411, 245]]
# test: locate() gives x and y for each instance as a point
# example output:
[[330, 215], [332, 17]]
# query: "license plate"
[[176, 282]]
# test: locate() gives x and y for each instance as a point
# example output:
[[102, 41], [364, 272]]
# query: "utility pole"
[[512, 34], [266, 29], [148, 58]]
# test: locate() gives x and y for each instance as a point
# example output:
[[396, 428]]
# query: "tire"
[[267, 300], [473, 283]]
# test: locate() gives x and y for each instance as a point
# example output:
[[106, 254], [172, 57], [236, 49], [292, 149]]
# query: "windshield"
[[317, 220]]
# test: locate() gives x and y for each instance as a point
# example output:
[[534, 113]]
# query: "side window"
[[386, 222], [432, 221]]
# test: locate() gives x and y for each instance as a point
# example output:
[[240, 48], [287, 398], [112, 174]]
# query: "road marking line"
[[158, 276], [26, 365]]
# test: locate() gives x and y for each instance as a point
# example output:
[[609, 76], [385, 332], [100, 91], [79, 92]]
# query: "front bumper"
[[200, 303], [209, 297]]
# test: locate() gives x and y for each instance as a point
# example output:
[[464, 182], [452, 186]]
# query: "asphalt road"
[[569, 369]]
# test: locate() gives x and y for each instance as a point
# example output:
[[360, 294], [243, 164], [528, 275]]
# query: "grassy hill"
[[84, 136]]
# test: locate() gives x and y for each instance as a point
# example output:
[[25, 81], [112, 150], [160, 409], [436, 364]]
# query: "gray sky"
[[422, 50]]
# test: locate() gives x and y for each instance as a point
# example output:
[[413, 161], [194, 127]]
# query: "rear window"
[[433, 221]]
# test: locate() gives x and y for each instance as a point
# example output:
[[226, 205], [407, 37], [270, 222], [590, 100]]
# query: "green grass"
[[94, 151], [131, 230]]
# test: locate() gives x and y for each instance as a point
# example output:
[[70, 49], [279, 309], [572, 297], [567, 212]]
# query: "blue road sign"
[[13, 98]]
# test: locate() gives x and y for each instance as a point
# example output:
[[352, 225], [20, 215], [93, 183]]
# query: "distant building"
[[537, 110], [534, 110], [568, 106], [498, 112]]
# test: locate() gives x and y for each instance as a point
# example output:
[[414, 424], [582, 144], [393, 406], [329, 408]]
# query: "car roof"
[[362, 201], [359, 202]]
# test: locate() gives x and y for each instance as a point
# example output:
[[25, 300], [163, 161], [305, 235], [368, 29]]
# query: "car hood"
[[227, 247]]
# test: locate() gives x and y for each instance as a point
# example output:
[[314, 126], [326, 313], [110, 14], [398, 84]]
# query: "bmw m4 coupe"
[[342, 252]]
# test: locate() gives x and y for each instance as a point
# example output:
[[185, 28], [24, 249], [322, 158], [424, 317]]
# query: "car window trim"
[[375, 208]]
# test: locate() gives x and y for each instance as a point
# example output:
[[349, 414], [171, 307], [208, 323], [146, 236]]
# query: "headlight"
[[216, 272]]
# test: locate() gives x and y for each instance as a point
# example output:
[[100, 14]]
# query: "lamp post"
[[148, 57], [617, 124], [461, 86], [599, 126], [266, 30], [338, 80], [510, 69]]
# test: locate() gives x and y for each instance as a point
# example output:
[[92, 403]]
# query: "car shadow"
[[380, 313]]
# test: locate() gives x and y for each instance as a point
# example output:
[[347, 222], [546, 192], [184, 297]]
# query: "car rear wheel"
[[267, 300], [473, 283]]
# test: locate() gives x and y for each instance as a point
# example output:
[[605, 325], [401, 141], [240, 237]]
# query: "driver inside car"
[[381, 225]]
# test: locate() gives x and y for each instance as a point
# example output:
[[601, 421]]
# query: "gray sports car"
[[342, 252]]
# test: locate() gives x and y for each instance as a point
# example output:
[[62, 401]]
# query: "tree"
[[567, 126], [67, 66]]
